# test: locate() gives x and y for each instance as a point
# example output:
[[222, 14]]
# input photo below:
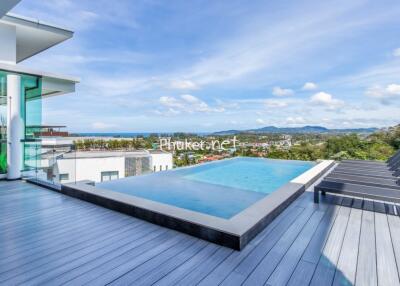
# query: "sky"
[[201, 66]]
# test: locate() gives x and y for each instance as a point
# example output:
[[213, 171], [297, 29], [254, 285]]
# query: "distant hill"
[[296, 130]]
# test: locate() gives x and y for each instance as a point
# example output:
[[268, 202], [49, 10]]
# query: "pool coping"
[[235, 232]]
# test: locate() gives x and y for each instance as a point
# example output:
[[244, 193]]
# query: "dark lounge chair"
[[364, 167], [367, 174], [392, 163], [364, 180], [380, 173], [356, 190]]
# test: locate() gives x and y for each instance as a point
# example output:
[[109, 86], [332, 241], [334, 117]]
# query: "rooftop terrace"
[[49, 238]]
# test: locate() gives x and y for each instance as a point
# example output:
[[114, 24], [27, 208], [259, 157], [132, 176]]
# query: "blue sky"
[[213, 65]]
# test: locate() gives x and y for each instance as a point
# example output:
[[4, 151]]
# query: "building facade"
[[100, 166], [22, 89]]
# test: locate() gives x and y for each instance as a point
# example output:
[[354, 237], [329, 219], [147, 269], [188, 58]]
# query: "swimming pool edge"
[[234, 233]]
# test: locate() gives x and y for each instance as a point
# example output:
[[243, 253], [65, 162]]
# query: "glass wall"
[[31, 111], [31, 115], [3, 123]]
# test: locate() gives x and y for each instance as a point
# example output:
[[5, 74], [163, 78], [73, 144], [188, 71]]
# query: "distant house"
[[99, 166]]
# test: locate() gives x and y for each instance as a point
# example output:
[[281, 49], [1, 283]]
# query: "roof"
[[104, 154], [159, 152], [7, 5], [52, 84], [34, 36], [46, 126]]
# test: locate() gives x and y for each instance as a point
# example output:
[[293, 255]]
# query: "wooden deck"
[[50, 239]]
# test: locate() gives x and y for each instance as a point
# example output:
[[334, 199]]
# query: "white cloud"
[[384, 94], [184, 85], [278, 91], [309, 86], [186, 103], [295, 120], [274, 103], [260, 121], [396, 52], [170, 101], [393, 89], [326, 99], [102, 125]]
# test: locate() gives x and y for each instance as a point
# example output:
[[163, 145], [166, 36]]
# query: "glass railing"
[[62, 162], [41, 162]]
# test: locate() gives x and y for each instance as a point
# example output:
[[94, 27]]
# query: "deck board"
[[47, 238], [366, 264], [286, 266], [347, 265], [386, 261], [325, 271]]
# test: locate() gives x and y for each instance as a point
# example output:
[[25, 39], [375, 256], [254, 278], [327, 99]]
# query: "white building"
[[161, 161], [21, 89], [99, 166]]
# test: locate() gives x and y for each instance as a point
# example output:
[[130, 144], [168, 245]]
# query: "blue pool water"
[[221, 189]]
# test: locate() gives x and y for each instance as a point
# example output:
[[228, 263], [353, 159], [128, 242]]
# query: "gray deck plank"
[[89, 267], [51, 239], [50, 221], [163, 270], [227, 266], [287, 265], [185, 268], [90, 243], [347, 264], [194, 277], [302, 274], [386, 261], [34, 252], [325, 270], [262, 271], [130, 258], [366, 265], [153, 263], [247, 265], [309, 261], [394, 226], [40, 236], [315, 248]]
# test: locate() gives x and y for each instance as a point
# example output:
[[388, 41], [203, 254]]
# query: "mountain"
[[298, 130]]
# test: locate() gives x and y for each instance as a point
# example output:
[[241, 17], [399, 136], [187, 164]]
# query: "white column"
[[14, 127]]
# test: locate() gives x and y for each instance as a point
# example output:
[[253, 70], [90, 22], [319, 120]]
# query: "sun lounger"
[[363, 180], [356, 190], [371, 175], [349, 170], [391, 162]]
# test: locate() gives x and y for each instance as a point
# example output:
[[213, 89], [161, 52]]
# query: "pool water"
[[222, 188]]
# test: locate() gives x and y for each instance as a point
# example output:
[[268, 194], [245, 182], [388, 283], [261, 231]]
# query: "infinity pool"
[[222, 188]]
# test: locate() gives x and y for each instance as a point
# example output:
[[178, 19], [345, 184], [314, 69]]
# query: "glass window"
[[64, 177], [109, 175]]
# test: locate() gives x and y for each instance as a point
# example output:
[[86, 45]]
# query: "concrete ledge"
[[309, 177], [235, 232]]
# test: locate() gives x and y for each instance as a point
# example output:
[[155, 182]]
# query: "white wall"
[[161, 159], [89, 168], [8, 44]]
